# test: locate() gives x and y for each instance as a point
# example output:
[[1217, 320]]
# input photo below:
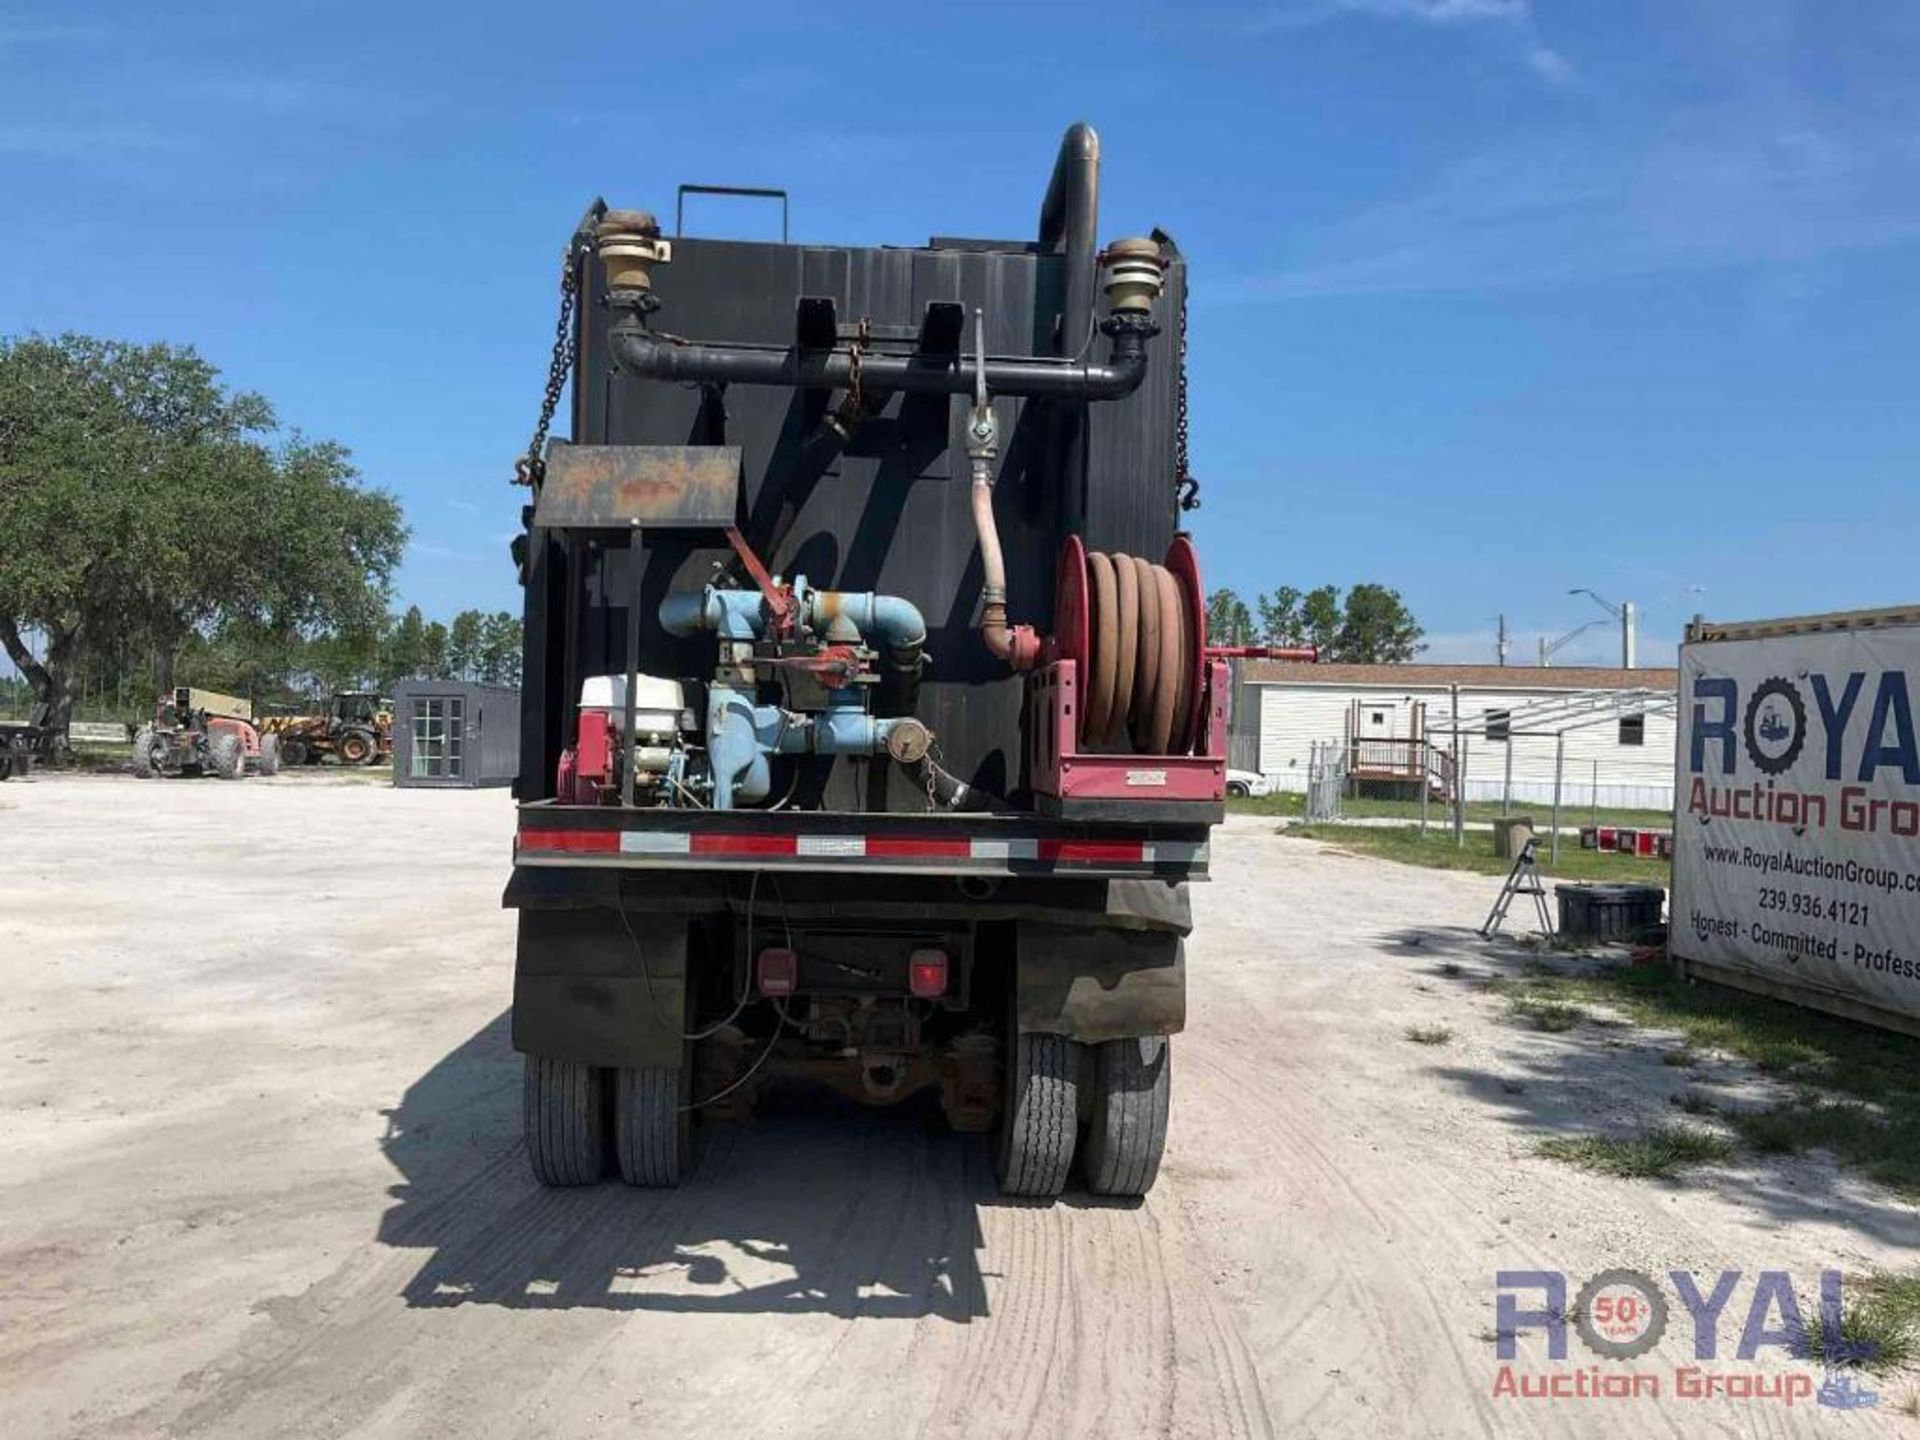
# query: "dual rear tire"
[[578, 1117], [1126, 1125]]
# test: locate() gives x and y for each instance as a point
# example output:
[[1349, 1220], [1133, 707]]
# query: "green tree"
[[434, 652], [403, 649], [1280, 622], [500, 649], [1229, 622], [1320, 618], [466, 644], [142, 502], [1376, 628], [345, 660]]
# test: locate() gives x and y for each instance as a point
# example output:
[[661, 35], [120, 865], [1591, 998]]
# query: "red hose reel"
[[1136, 633], [1130, 709]]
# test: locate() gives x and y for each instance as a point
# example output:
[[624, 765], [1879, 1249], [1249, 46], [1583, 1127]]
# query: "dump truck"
[[202, 732], [869, 733]]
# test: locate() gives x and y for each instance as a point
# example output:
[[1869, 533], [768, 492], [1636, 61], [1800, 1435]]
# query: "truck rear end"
[[869, 733]]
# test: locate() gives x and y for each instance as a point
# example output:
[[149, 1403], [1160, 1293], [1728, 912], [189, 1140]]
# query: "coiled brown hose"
[[1139, 672]]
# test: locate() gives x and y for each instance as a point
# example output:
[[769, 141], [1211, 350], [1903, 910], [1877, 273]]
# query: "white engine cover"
[[659, 705]]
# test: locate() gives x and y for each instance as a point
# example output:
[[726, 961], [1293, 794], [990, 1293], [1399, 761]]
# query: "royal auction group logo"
[[1813, 751], [1621, 1316]]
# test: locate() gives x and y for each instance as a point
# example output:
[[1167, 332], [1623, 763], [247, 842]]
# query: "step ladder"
[[1523, 879]]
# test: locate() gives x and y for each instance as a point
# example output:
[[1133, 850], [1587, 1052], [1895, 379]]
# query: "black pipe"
[[1069, 220], [641, 352]]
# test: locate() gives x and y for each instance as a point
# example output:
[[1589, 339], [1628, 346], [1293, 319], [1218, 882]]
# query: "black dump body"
[[887, 513]]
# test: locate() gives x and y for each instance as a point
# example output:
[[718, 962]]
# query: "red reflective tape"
[[1125, 852], [572, 842], [909, 848], [743, 845]]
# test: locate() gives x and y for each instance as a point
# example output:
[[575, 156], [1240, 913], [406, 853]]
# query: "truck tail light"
[[927, 974], [778, 971]]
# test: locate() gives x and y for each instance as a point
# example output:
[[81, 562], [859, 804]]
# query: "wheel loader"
[[354, 726]]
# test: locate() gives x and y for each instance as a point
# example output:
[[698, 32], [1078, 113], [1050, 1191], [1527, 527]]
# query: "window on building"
[[1633, 729], [1499, 725], [1379, 717], [438, 733]]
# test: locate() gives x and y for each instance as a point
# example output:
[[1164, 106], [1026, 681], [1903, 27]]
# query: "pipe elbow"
[[1018, 645], [633, 348], [898, 623], [885, 620], [638, 351], [1118, 378]]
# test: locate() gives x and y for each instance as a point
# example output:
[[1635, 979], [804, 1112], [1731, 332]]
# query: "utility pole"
[[1502, 644]]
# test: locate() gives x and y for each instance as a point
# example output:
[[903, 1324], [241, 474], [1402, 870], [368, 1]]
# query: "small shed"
[[455, 734]]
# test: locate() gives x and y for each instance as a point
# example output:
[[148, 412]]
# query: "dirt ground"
[[260, 1174]]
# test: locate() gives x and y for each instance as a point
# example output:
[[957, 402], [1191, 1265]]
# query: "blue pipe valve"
[[742, 737]]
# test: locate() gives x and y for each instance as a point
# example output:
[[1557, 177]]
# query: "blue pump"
[[742, 736]]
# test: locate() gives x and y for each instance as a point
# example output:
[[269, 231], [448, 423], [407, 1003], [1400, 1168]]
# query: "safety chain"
[[1184, 482], [531, 468], [929, 772], [852, 410]]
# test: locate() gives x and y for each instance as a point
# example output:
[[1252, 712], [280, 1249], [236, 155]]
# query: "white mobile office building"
[[1618, 750]]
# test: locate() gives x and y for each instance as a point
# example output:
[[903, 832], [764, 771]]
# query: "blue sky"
[[1491, 298]]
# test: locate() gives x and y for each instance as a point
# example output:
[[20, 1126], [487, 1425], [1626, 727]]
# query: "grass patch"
[[1858, 1087], [1886, 1150], [1294, 803], [1812, 1050], [1878, 1330], [1658, 1153], [1429, 1034], [1553, 1016], [1694, 1103], [1436, 851]]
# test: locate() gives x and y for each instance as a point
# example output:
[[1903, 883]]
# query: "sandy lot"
[[260, 1174]]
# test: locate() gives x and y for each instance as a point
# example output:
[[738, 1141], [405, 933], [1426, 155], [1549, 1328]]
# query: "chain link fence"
[[1326, 780]]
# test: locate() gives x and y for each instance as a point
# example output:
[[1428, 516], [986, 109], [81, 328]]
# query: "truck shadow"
[[816, 1206]]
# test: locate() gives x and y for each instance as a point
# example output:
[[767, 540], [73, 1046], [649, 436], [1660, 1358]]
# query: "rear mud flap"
[[1099, 984], [586, 990]]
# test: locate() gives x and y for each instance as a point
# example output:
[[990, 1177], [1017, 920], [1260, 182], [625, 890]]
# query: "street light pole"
[[1629, 617]]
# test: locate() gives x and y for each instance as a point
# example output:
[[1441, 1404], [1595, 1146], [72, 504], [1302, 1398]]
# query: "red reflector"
[[778, 970], [572, 842], [909, 847], [742, 845], [927, 973], [1125, 852]]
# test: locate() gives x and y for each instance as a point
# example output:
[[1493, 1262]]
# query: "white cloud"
[[1441, 11], [81, 140], [1512, 21], [1723, 184], [1744, 162]]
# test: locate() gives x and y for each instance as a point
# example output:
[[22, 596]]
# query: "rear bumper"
[[551, 835]]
